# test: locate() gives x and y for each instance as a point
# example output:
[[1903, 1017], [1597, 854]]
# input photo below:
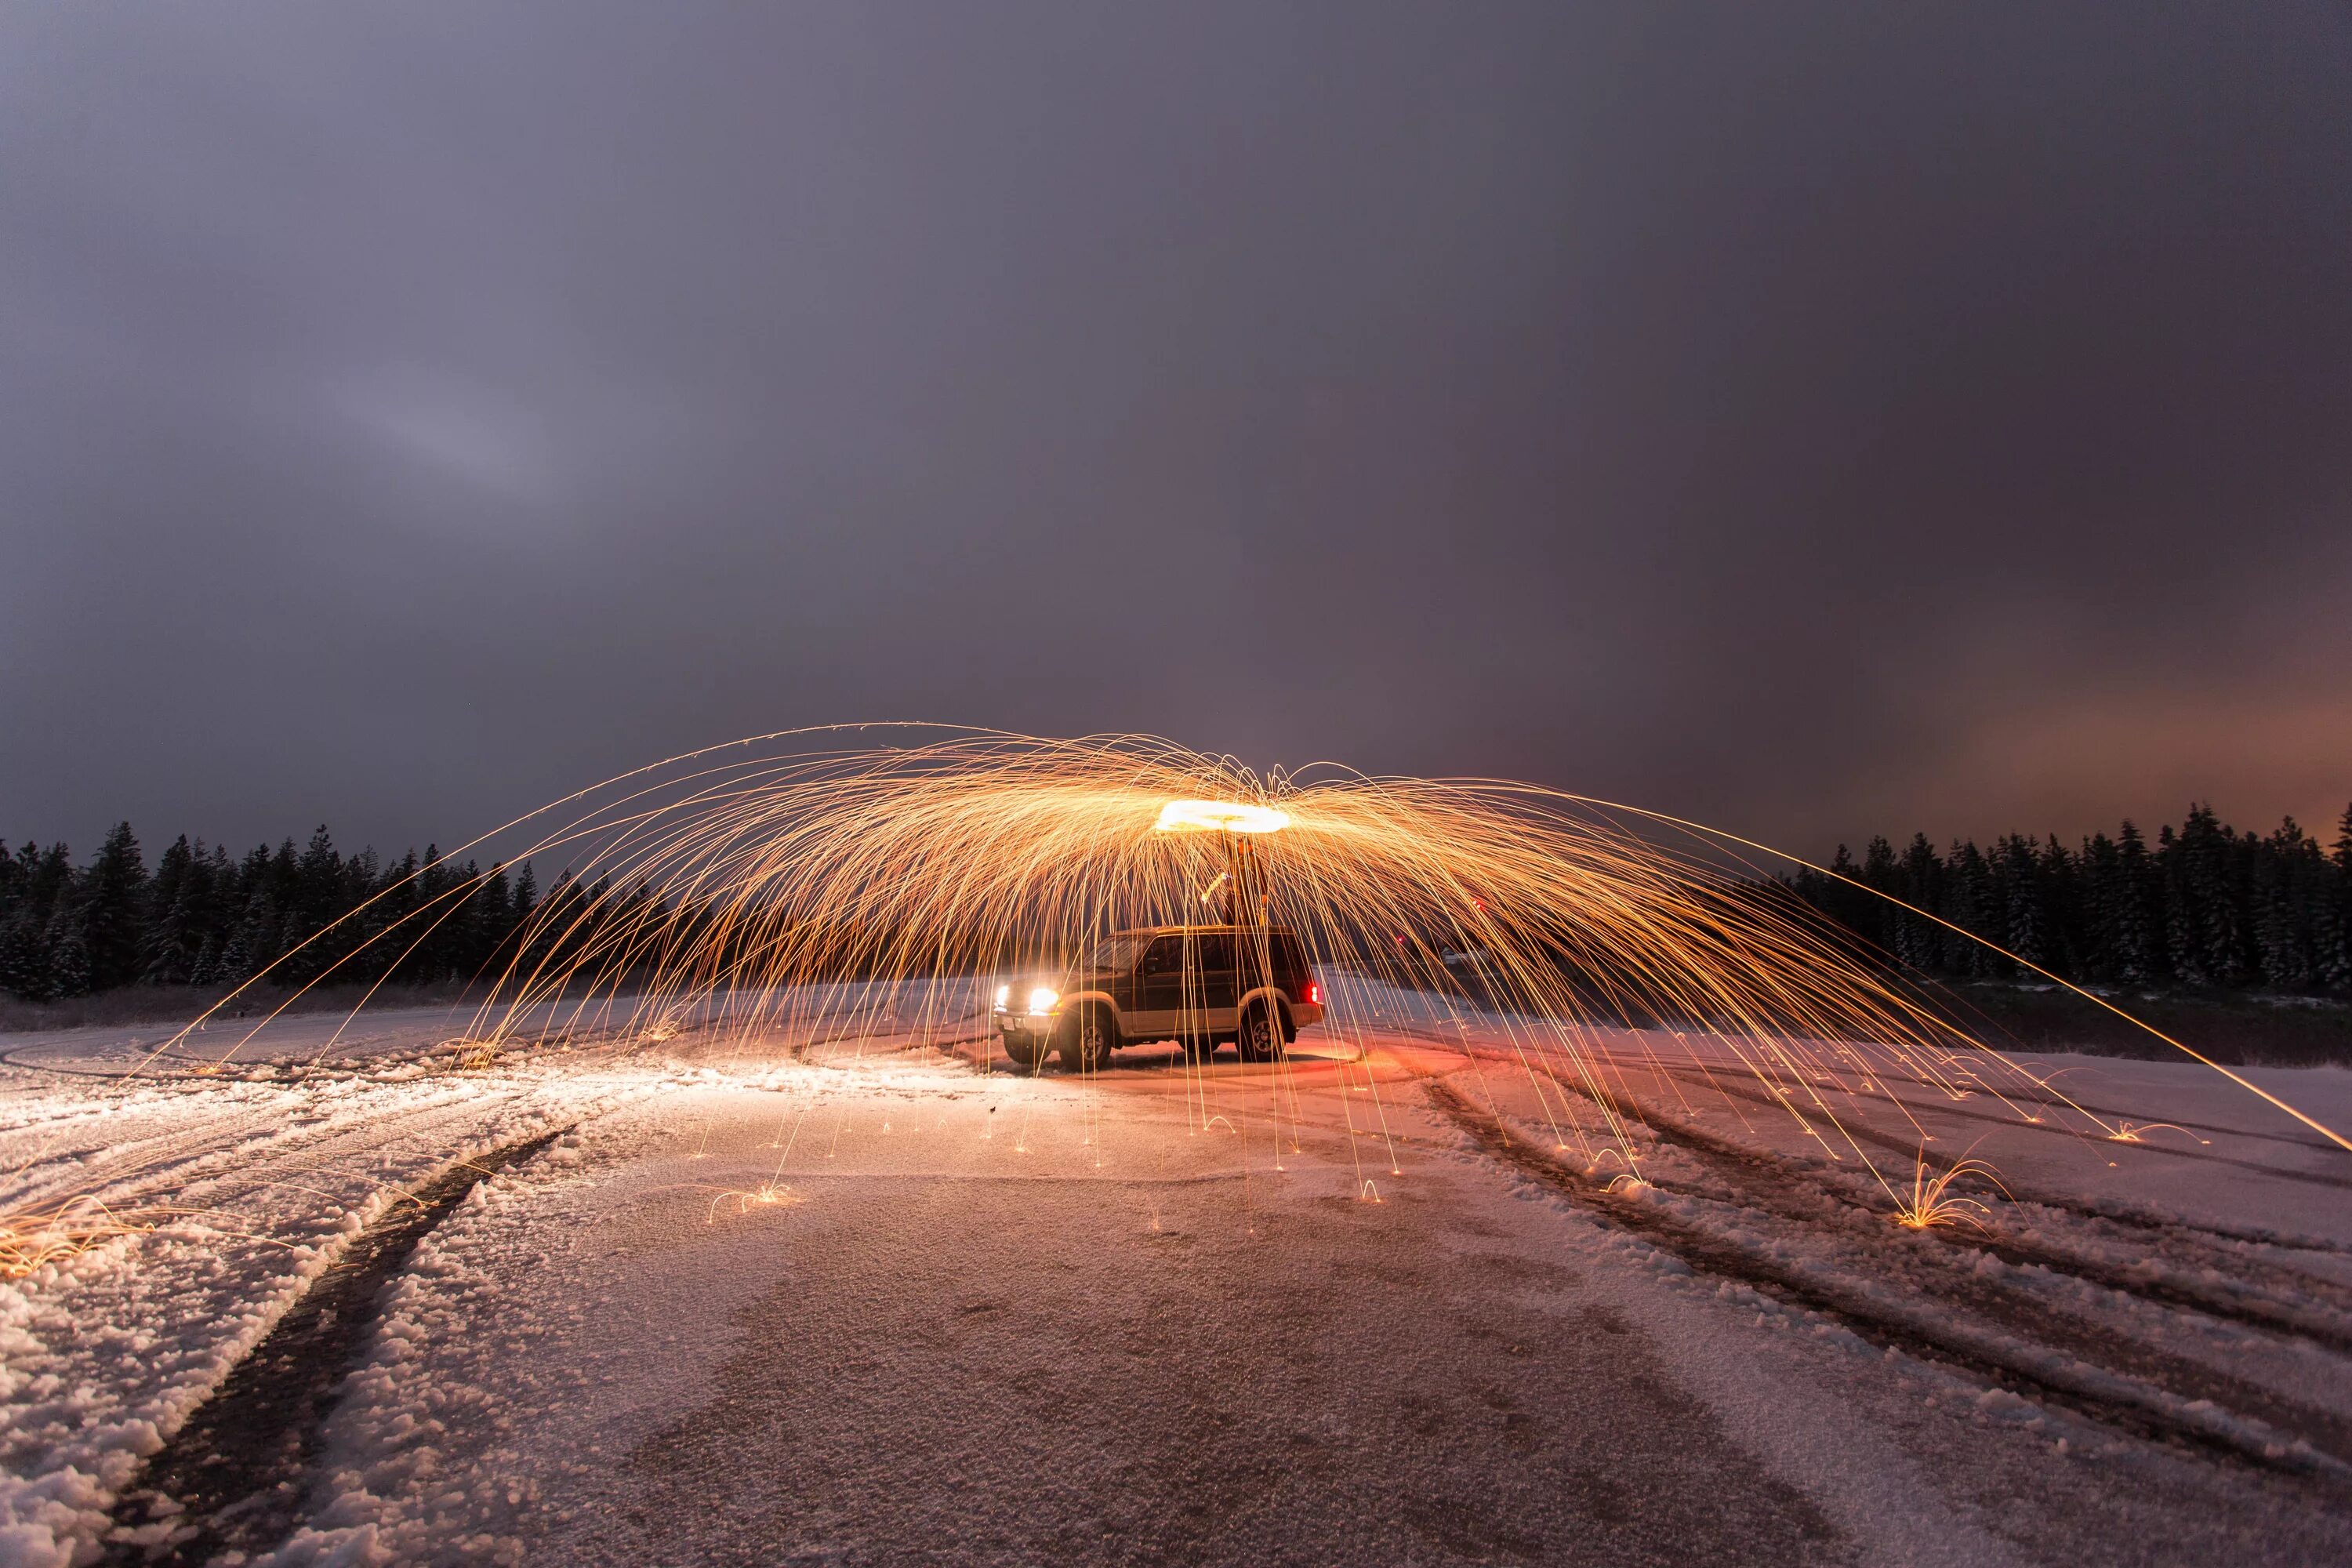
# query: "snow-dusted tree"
[[176, 915], [2289, 873], [2138, 910], [112, 912], [25, 957], [1918, 943], [69, 956], [2333, 935], [2024, 919]]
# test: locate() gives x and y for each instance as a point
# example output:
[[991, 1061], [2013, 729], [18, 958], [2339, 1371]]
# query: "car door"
[[1159, 989], [1211, 998]]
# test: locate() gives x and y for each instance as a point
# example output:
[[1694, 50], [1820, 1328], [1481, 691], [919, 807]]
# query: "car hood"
[[1059, 979]]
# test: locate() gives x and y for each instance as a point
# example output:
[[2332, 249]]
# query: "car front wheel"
[[1087, 1041]]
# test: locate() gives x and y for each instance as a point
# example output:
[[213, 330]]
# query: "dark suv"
[[1202, 986]]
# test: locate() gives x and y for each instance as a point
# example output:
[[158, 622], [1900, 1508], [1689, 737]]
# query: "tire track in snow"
[[2008, 1354], [2002, 1091], [2309, 1178], [235, 1153], [237, 1465], [2184, 1230], [1792, 1192]]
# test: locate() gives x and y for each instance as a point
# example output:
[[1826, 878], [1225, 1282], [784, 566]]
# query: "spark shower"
[[798, 886]]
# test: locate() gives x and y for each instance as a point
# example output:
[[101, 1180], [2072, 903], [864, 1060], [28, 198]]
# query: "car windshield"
[[1118, 952]]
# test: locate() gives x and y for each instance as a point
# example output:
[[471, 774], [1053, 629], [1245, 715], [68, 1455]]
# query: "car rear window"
[[1282, 959], [1289, 960]]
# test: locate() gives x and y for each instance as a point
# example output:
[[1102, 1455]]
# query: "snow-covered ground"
[[1403, 1300]]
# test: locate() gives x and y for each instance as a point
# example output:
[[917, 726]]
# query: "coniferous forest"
[[2203, 907], [200, 918]]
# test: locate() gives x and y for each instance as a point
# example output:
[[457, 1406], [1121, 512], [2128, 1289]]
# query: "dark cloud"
[[1814, 423]]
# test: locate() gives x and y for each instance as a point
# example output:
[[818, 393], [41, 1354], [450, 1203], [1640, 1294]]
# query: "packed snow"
[[1418, 1296]]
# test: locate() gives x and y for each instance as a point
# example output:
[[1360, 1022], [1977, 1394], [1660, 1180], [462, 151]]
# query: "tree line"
[[2205, 907], [201, 918]]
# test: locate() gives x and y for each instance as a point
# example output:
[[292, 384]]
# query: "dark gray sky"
[[1815, 420]]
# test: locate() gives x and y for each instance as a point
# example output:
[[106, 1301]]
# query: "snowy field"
[[880, 1299]]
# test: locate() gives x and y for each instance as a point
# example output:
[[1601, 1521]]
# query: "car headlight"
[[1042, 1000], [1003, 994]]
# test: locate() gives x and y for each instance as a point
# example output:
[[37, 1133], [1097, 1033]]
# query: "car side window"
[[1165, 956], [1213, 954], [1248, 966]]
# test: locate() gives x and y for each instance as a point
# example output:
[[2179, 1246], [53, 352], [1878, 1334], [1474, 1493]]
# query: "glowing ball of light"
[[1218, 816]]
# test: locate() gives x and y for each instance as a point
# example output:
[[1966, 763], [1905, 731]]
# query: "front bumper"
[[1029, 1026]]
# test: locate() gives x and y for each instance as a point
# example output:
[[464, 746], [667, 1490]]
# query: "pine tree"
[[284, 879], [1918, 943], [431, 957], [464, 928], [1881, 876], [2139, 916], [313, 898], [68, 950], [45, 879], [2183, 950], [2284, 867], [595, 921], [24, 967], [552, 938], [2211, 877], [359, 956], [494, 918], [2025, 926], [2059, 879], [1969, 905], [2333, 918], [1837, 897], [174, 932], [112, 912], [401, 912], [257, 940], [2103, 909], [52, 877], [24, 956]]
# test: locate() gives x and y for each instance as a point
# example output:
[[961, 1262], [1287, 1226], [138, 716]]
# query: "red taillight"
[[1315, 994]]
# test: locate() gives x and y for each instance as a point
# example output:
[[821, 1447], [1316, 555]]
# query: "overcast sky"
[[1813, 420]]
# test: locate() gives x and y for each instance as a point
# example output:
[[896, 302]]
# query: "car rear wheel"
[[1261, 1038], [1088, 1040]]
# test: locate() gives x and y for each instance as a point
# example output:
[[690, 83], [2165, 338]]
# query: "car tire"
[[1262, 1034], [1024, 1050], [1088, 1038]]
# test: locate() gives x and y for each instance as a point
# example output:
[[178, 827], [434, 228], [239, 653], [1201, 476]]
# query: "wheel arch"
[[1078, 1002], [1270, 995]]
